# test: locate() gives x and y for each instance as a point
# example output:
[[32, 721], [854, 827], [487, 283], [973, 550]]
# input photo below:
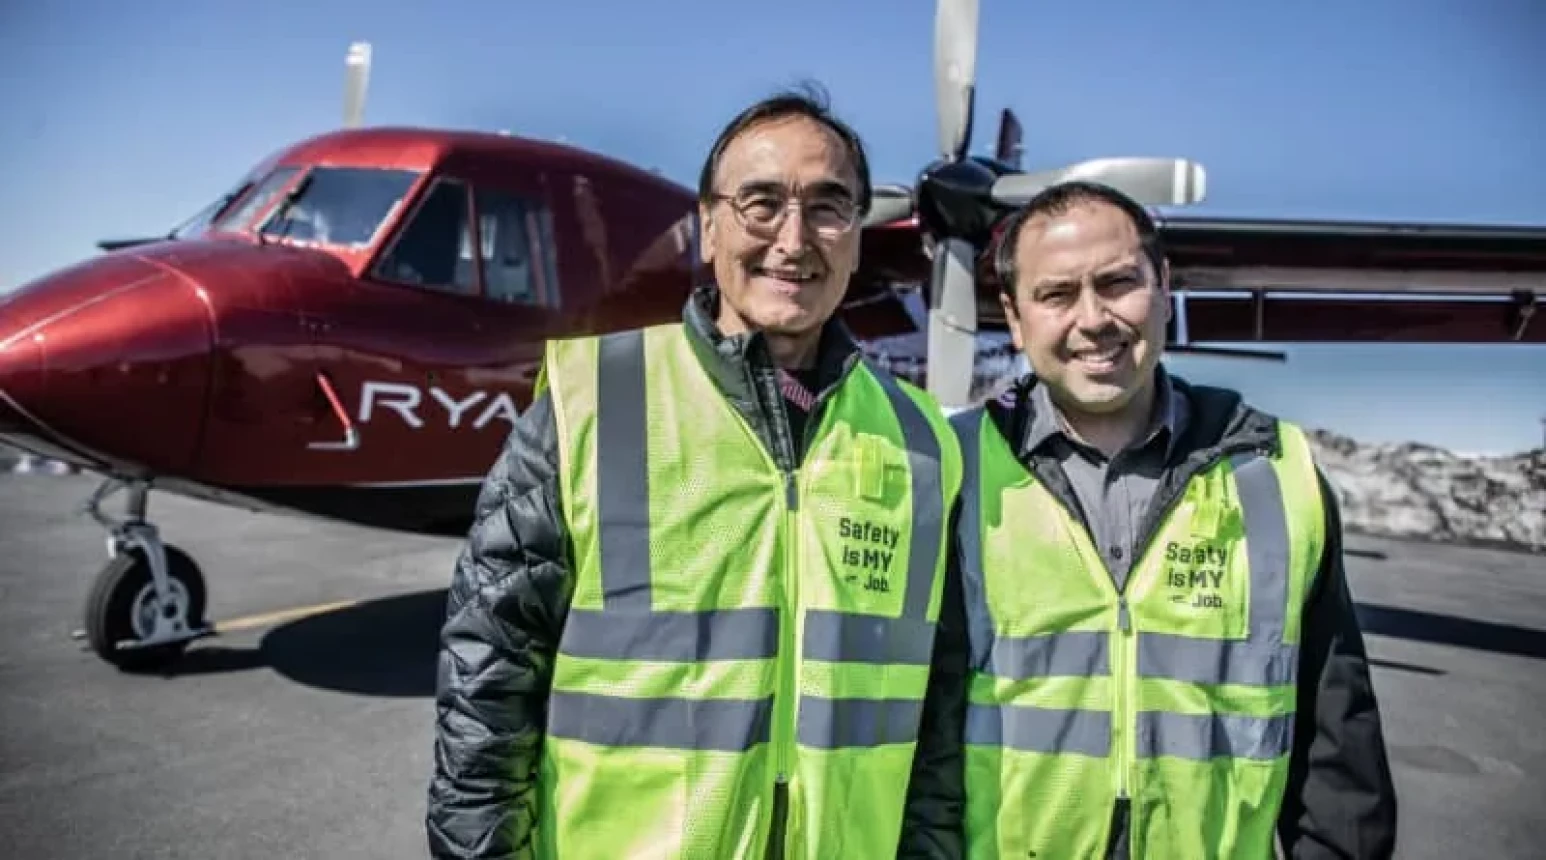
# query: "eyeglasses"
[[763, 209]]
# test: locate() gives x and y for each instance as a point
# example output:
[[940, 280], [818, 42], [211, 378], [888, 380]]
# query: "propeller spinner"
[[958, 198]]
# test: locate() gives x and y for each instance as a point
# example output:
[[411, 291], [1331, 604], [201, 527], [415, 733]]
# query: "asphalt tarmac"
[[304, 729]]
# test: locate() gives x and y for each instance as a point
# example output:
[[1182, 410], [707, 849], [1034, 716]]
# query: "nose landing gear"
[[148, 602]]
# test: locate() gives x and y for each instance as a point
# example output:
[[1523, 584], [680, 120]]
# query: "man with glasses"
[[703, 612]]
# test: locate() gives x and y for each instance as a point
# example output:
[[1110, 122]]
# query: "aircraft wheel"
[[123, 608]]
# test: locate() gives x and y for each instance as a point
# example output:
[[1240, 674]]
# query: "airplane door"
[[406, 352], [261, 414]]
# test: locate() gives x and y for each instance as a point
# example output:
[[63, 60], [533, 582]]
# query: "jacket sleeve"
[[932, 818], [1340, 800], [508, 596]]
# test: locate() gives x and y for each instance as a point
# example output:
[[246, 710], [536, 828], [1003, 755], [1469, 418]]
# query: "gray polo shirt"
[[1114, 493]]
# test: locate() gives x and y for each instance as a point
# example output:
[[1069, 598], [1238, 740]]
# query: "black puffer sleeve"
[[508, 598], [1340, 801]]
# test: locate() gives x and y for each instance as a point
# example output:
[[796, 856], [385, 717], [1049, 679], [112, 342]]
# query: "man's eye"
[[761, 207]]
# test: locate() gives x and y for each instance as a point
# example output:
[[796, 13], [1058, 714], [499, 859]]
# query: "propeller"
[[955, 74], [1150, 181], [889, 203], [958, 199], [952, 317], [952, 340], [356, 82]]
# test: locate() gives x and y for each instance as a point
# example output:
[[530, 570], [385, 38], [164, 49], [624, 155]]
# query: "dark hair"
[[808, 100], [1058, 199]]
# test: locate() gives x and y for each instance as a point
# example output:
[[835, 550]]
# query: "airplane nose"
[[106, 364], [21, 381]]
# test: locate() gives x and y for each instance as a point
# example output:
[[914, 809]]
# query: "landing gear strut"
[[147, 603]]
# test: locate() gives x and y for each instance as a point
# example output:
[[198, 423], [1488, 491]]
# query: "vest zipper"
[[1121, 724], [780, 815], [788, 457], [786, 698], [1124, 653]]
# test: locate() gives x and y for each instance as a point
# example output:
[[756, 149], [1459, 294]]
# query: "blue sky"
[[124, 118]]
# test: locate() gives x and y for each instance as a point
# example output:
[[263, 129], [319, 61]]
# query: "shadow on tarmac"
[[383, 648], [1439, 629], [388, 647]]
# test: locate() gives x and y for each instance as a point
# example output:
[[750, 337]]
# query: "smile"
[[792, 276], [1102, 359]]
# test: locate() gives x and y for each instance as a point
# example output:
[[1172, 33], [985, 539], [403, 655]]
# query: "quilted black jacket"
[[510, 593]]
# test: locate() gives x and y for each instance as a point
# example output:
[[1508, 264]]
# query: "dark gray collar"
[[1169, 419], [730, 360]]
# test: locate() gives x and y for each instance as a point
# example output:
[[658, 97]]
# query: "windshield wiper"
[[284, 208]]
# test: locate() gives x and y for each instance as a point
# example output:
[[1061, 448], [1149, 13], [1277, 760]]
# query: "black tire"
[[110, 607]]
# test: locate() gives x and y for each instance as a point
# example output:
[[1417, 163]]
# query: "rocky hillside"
[[1406, 490], [1412, 490]]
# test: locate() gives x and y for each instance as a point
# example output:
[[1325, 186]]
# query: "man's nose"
[[1091, 310], [791, 233]]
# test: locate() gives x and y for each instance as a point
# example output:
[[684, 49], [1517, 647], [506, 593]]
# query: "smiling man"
[[1165, 660], [703, 611]]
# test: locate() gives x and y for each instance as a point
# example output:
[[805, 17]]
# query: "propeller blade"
[[356, 82], [1150, 181], [952, 344], [955, 73], [1009, 132], [889, 203]]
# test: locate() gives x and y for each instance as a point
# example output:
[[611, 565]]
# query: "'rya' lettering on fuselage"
[[1198, 568], [870, 547], [406, 399]]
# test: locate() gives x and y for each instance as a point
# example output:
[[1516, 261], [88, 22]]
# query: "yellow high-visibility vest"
[[744, 662], [1176, 693]]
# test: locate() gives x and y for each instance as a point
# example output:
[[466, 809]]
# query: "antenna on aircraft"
[[356, 82], [960, 196]]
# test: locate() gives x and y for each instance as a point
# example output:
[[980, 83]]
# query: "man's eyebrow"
[[759, 185], [824, 187], [832, 187], [1126, 268], [1053, 282], [1115, 271]]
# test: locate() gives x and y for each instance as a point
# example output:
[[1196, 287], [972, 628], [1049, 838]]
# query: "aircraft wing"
[[1249, 280]]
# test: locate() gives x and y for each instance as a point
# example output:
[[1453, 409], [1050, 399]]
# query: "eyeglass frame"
[[789, 198]]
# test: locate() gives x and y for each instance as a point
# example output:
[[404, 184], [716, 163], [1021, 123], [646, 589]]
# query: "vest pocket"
[[1217, 808], [1028, 804], [615, 802]]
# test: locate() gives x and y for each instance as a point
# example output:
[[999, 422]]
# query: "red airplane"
[[349, 332]]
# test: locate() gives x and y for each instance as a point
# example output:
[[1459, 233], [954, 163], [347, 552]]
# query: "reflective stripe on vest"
[[1196, 662], [701, 570]]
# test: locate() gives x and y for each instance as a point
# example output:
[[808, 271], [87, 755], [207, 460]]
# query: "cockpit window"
[[201, 221], [519, 265], [342, 206], [435, 248], [257, 200]]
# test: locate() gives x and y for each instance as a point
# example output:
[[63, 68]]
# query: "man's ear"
[[705, 234], [1007, 302]]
